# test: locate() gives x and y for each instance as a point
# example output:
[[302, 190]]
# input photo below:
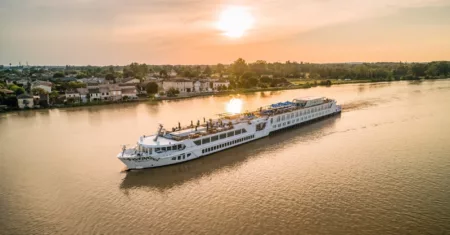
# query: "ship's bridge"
[[148, 144]]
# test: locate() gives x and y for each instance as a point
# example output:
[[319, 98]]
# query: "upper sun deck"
[[227, 121], [150, 141]]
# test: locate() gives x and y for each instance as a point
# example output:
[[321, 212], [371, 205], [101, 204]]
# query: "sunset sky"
[[103, 32]]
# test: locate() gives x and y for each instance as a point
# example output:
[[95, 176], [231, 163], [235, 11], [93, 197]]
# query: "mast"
[[159, 132]]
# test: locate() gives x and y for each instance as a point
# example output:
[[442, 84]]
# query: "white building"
[[218, 84], [25, 101], [182, 85], [115, 92], [104, 90], [201, 86], [73, 94], [94, 93], [46, 86], [83, 94], [129, 92]]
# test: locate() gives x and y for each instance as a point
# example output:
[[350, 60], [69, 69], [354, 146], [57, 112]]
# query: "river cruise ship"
[[185, 143]]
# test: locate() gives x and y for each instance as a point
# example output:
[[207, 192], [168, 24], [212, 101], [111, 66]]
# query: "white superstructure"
[[186, 143]]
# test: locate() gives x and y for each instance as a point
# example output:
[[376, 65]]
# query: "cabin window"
[[282, 118], [289, 122], [169, 148], [205, 140], [237, 132], [244, 131], [292, 115], [174, 158], [271, 120], [157, 149], [279, 125], [223, 136], [231, 133], [214, 138], [198, 142], [278, 119], [179, 157], [183, 157], [203, 151], [163, 149]]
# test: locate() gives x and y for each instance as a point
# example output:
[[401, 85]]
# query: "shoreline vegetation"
[[30, 87], [301, 85]]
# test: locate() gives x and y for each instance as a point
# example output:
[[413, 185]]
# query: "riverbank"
[[296, 84]]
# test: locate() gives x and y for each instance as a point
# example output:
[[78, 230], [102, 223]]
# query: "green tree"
[[74, 85], [172, 92], [418, 69], [152, 88], [163, 73], [220, 68], [17, 89], [38, 91], [239, 67], [53, 96], [259, 67], [110, 77], [58, 75], [207, 71]]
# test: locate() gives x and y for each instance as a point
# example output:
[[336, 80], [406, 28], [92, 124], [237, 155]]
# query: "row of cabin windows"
[[168, 148], [181, 156], [299, 113], [299, 119], [221, 136], [220, 146]]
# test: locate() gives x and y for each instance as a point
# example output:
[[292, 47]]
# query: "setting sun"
[[234, 21]]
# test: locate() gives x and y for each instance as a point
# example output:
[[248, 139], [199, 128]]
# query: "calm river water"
[[381, 167]]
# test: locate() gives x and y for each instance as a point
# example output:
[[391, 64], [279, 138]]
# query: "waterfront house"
[[115, 92], [83, 94], [202, 86], [129, 92], [181, 84], [218, 84], [72, 95], [45, 85], [25, 101], [104, 90], [94, 93], [44, 100]]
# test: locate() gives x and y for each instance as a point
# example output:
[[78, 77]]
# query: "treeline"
[[250, 72]]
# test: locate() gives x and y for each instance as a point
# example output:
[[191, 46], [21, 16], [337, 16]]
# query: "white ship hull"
[[256, 129]]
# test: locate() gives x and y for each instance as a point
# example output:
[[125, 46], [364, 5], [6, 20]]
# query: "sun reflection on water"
[[234, 105]]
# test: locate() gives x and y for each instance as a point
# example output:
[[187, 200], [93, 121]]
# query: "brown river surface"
[[381, 167]]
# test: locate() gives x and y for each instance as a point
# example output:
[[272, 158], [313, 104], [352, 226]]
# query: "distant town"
[[29, 87]]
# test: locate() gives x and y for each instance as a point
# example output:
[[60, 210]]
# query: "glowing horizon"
[[103, 32]]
